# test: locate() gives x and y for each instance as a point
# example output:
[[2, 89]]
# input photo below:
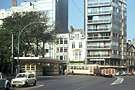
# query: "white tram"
[[82, 69]]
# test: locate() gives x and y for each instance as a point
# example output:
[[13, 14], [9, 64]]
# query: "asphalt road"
[[83, 82]]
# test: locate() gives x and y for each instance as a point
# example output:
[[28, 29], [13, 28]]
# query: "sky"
[[76, 14]]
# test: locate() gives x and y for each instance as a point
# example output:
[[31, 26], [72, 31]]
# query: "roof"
[[129, 46], [38, 60]]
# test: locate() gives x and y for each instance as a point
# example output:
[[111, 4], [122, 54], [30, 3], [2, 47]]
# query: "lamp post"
[[12, 57], [18, 45]]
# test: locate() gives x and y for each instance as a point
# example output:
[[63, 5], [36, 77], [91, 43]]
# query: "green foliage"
[[32, 33]]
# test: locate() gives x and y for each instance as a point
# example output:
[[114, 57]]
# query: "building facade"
[[77, 47], [130, 62], [105, 29], [130, 53], [61, 22], [61, 47]]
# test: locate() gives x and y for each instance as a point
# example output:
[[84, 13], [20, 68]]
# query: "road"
[[83, 82]]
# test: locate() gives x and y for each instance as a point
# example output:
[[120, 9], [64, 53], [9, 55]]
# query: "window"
[[46, 50], [61, 49], [61, 57], [65, 41], [58, 41], [28, 67], [57, 57], [76, 55], [80, 44], [73, 45], [31, 76], [90, 17], [65, 49], [76, 36], [57, 50], [21, 76], [61, 41], [79, 54]]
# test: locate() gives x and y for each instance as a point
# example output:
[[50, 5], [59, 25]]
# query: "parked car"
[[117, 73], [4, 83], [121, 73], [24, 79], [124, 73]]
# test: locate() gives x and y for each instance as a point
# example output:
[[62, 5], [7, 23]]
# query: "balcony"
[[105, 38], [100, 13], [103, 56], [99, 30], [104, 4], [98, 47], [98, 56], [99, 21]]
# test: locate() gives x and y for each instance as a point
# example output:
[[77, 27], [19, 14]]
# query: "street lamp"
[[18, 46]]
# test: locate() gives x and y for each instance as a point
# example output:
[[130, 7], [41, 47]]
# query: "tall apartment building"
[[61, 21], [105, 29]]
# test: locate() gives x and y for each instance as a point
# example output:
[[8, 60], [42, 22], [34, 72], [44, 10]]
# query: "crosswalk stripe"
[[119, 80]]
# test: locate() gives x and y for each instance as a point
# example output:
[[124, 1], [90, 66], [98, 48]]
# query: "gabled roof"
[[130, 46]]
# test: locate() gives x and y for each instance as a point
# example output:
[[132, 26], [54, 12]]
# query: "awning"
[[38, 60]]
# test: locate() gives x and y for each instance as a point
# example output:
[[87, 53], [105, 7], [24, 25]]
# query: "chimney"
[[14, 3]]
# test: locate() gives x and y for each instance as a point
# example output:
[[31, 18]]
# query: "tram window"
[[80, 68], [86, 68], [77, 67], [71, 67], [74, 67], [83, 67]]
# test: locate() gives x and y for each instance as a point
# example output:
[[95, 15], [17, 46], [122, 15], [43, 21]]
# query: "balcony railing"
[[98, 47], [100, 30], [104, 37], [99, 4], [98, 55], [100, 13], [98, 21]]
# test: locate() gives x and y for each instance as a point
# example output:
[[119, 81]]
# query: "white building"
[[62, 46], [77, 47], [40, 5]]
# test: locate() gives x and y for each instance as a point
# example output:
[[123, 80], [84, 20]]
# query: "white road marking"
[[79, 88], [119, 80]]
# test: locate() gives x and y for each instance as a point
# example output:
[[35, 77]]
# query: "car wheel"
[[7, 86], [13, 86], [34, 84], [26, 84]]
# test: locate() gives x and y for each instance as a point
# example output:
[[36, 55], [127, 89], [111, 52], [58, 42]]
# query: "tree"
[[34, 34]]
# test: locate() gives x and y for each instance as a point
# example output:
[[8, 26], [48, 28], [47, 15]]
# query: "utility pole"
[[12, 57]]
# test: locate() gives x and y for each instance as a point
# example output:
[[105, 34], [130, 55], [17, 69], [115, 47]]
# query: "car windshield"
[[21, 76]]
